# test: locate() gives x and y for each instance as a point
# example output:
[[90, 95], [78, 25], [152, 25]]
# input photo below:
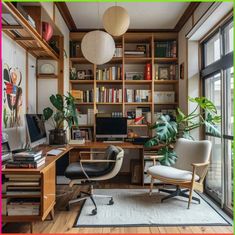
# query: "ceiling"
[[143, 15]]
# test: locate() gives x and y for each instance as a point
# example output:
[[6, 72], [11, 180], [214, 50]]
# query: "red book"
[[148, 72]]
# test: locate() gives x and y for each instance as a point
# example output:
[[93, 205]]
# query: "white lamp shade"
[[116, 20], [98, 47]]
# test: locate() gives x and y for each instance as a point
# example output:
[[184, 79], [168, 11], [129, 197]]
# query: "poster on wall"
[[12, 97]]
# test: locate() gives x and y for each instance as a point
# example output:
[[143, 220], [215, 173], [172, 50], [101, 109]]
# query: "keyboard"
[[113, 141]]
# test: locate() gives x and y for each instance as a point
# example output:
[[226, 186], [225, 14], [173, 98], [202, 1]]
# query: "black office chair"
[[92, 170]]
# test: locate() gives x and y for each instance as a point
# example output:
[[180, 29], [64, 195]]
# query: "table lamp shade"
[[116, 20], [98, 47]]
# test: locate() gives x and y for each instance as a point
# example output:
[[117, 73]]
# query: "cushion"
[[171, 173]]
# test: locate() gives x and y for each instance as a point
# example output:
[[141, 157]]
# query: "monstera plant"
[[167, 130], [65, 110]]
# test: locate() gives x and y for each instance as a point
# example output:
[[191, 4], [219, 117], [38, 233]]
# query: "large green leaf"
[[204, 103], [47, 113], [180, 115], [152, 142], [212, 129], [169, 156], [57, 101]]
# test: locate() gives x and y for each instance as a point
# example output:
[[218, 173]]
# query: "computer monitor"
[[111, 127], [36, 129]]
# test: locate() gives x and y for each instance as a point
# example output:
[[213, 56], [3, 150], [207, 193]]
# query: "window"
[[218, 82], [212, 50]]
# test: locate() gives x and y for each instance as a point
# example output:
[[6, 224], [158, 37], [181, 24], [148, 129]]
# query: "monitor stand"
[[113, 140]]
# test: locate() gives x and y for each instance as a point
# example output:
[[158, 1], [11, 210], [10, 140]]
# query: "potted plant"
[[167, 130], [65, 110]]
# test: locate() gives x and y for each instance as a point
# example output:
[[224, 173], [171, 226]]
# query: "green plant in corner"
[[167, 130], [65, 111]]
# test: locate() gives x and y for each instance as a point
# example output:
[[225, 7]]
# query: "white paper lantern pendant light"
[[98, 47], [116, 20]]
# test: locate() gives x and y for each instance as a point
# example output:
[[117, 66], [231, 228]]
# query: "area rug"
[[134, 207]]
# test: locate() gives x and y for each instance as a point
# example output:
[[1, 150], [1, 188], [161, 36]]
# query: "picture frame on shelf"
[[81, 74], [163, 73], [86, 133]]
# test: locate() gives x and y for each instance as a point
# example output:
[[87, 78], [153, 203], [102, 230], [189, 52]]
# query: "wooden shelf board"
[[108, 81], [29, 35], [82, 103], [20, 196], [138, 125], [165, 60], [106, 103], [137, 60], [81, 81], [45, 76], [138, 103], [17, 218], [175, 103], [82, 60], [138, 81], [166, 81]]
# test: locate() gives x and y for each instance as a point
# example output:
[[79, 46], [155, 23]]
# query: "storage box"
[[82, 119], [164, 97]]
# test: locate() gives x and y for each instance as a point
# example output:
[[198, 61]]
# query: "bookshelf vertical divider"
[[123, 75], [153, 78]]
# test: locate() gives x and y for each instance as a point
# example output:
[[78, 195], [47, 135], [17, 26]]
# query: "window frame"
[[220, 66]]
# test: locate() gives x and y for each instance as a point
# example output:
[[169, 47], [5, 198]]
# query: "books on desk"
[[26, 159]]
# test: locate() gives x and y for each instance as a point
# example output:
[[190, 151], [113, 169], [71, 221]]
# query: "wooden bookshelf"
[[26, 35], [129, 63]]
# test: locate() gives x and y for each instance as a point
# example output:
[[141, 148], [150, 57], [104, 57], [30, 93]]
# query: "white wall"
[[15, 56]]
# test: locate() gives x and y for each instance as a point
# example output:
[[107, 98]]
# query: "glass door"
[[214, 177]]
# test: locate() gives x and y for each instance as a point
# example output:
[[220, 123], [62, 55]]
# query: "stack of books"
[[108, 95], [165, 49], [83, 96], [141, 50], [111, 73], [26, 159], [22, 207], [132, 95]]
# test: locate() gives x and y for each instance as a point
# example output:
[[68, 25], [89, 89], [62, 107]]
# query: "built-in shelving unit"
[[128, 63]]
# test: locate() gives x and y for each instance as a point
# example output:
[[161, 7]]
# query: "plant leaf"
[[212, 129], [57, 101], [204, 103], [47, 113], [169, 156]]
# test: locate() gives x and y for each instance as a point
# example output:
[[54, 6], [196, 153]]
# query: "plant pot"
[[57, 137]]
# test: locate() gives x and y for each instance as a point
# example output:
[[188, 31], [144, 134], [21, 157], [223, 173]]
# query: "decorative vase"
[[47, 31], [57, 137], [148, 72]]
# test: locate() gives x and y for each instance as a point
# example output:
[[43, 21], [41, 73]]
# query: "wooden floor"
[[64, 220]]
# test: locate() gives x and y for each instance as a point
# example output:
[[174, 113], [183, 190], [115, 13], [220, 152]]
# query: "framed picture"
[[86, 133], [182, 71], [135, 172], [163, 73], [81, 74]]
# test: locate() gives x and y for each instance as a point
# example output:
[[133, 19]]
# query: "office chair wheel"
[[111, 202], [94, 212]]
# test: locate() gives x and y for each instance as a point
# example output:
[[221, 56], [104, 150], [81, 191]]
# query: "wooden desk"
[[47, 179], [47, 174]]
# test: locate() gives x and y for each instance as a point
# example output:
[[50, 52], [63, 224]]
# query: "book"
[[31, 153], [18, 164]]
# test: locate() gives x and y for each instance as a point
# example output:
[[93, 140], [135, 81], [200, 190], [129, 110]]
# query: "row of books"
[[166, 49], [26, 159], [83, 96], [111, 73], [141, 50], [132, 95], [86, 119], [118, 51], [108, 95], [22, 207]]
